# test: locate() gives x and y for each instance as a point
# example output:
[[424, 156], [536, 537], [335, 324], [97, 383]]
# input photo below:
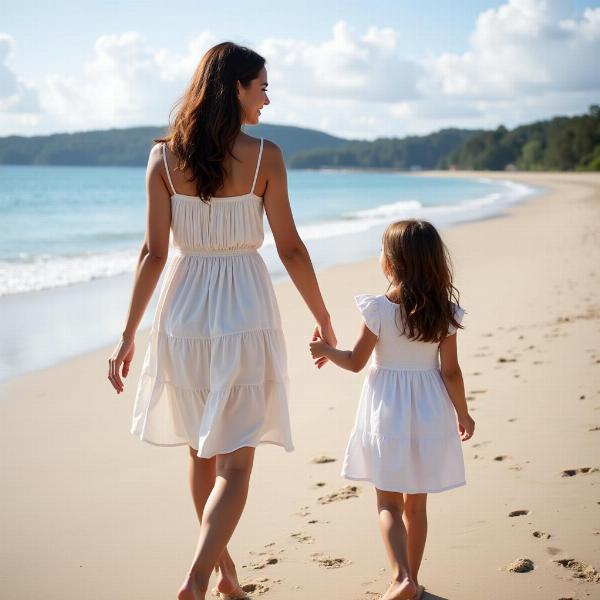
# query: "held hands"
[[318, 349], [323, 336], [466, 427], [122, 354]]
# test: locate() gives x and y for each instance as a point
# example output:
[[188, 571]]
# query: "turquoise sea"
[[71, 236]]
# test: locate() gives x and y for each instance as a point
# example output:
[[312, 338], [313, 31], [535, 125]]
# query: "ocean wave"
[[33, 273]]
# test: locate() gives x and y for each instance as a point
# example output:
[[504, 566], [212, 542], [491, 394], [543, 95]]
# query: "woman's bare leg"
[[415, 520], [220, 517], [390, 506], [202, 474]]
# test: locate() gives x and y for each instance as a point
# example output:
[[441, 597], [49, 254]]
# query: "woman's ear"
[[238, 87]]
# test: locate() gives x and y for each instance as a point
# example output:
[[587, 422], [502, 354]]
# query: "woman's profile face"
[[253, 97]]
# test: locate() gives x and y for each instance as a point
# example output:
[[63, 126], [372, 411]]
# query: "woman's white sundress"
[[405, 437], [214, 375]]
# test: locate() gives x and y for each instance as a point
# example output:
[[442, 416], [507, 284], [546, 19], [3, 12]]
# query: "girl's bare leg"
[[202, 474], [415, 520], [220, 517], [390, 506]]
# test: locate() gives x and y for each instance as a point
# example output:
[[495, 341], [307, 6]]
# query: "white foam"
[[45, 271]]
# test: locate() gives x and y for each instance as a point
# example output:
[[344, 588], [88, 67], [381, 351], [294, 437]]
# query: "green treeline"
[[562, 144], [387, 153]]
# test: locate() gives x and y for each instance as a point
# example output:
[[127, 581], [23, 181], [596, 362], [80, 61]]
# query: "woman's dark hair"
[[420, 268], [209, 116]]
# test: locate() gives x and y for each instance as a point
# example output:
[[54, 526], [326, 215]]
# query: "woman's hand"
[[466, 427], [122, 355], [324, 331]]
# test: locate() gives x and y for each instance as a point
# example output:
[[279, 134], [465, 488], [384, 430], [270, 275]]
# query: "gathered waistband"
[[403, 368], [210, 253]]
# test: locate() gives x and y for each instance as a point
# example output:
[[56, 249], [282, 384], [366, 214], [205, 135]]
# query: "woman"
[[215, 375]]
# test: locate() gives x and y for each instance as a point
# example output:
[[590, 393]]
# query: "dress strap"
[[167, 168], [257, 165]]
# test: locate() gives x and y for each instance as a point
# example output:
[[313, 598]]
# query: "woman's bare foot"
[[403, 589], [192, 589], [227, 580]]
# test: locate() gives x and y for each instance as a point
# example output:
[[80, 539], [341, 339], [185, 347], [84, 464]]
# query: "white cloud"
[[522, 48], [128, 82], [358, 67], [16, 96]]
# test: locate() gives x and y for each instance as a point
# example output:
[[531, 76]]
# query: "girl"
[[214, 376], [405, 439]]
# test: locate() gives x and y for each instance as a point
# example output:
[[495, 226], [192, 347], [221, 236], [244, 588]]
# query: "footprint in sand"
[[597, 428], [321, 460], [271, 560], [350, 491], [542, 535], [512, 420], [580, 471], [303, 512], [553, 551], [320, 484], [580, 570], [521, 565], [518, 513], [478, 444], [302, 537], [502, 359], [330, 562], [256, 587], [500, 458]]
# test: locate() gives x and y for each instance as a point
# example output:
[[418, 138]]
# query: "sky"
[[356, 69]]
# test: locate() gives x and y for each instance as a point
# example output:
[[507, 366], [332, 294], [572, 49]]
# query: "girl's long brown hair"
[[421, 271], [210, 117]]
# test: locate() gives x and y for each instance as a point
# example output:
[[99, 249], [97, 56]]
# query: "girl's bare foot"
[[403, 589], [192, 589], [420, 591]]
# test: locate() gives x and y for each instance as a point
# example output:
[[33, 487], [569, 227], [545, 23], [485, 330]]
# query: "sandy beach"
[[89, 511]]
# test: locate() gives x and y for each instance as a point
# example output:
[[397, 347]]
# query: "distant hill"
[[130, 147], [389, 153]]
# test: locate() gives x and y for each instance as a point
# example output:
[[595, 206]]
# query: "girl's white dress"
[[405, 437], [214, 375]]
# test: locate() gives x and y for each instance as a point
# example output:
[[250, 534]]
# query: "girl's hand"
[[318, 349], [466, 427], [122, 354], [324, 331]]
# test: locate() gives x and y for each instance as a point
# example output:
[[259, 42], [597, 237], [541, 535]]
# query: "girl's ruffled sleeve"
[[459, 313], [369, 309]]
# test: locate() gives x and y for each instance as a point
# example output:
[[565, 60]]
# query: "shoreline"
[[113, 517]]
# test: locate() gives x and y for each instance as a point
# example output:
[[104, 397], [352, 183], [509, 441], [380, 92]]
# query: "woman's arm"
[[151, 262], [290, 248], [352, 360], [453, 380]]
